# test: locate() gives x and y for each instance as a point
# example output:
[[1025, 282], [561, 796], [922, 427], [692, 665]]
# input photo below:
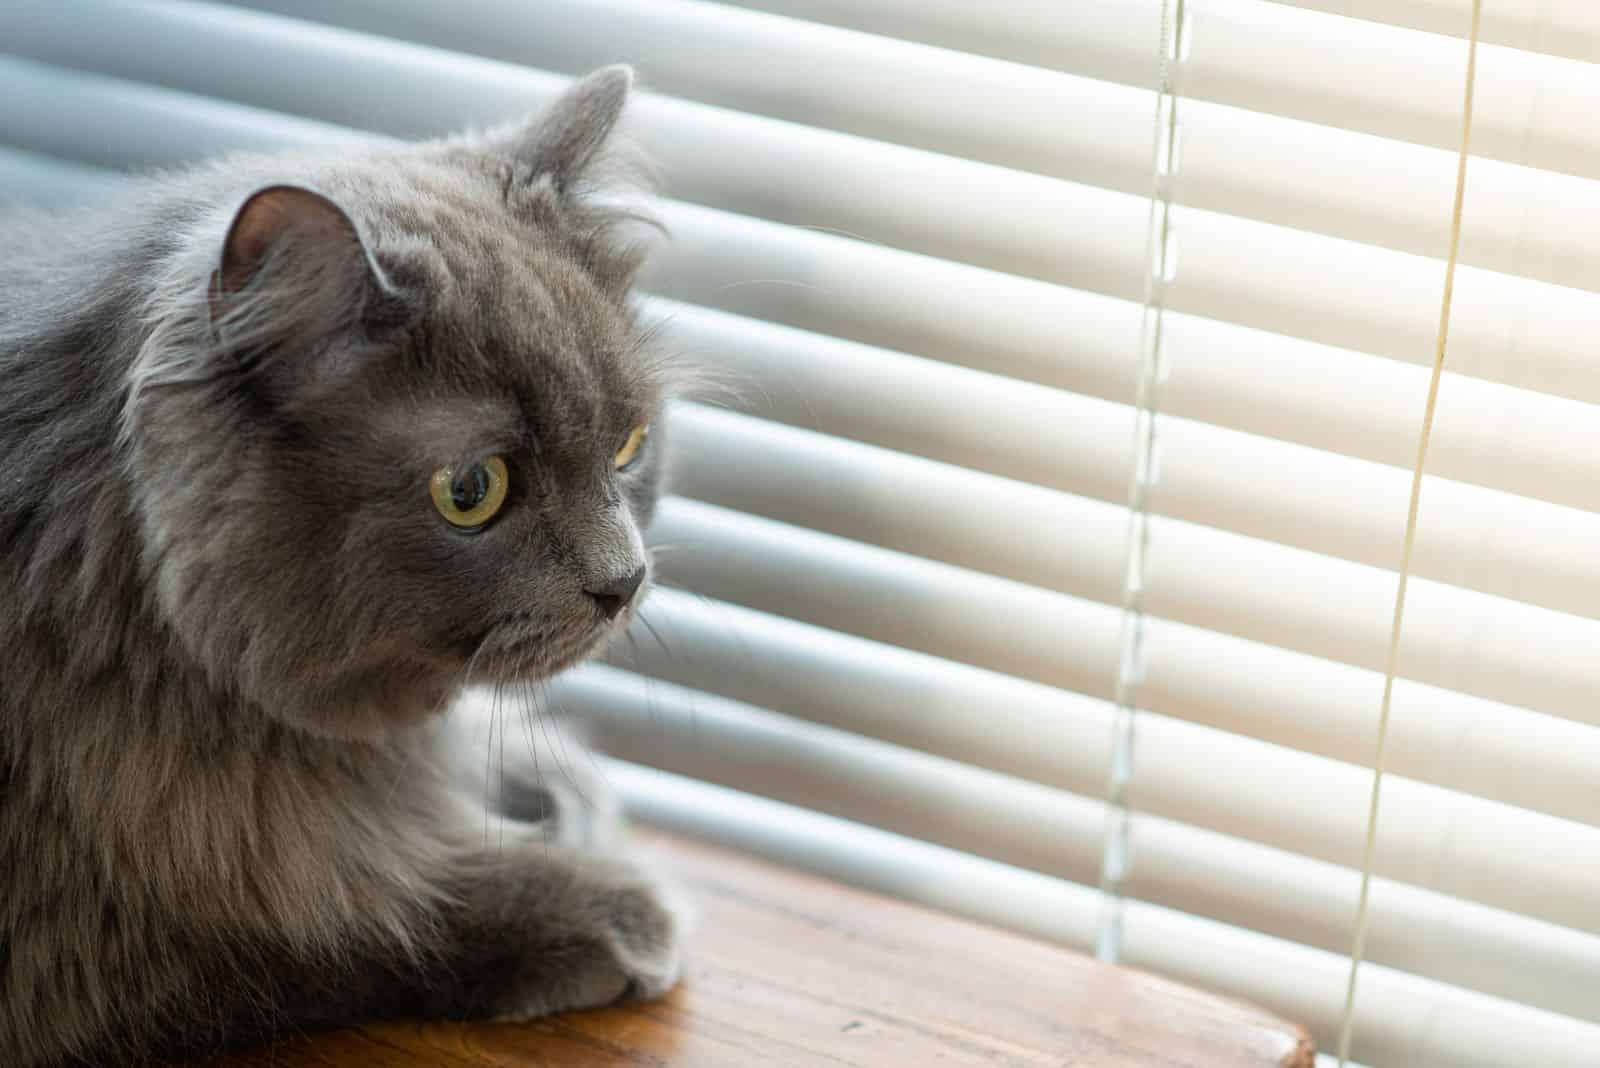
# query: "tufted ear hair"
[[567, 137]]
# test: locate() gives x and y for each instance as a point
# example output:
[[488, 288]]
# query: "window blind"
[[912, 235]]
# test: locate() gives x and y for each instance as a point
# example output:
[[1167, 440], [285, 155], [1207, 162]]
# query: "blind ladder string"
[[1358, 944], [1161, 260]]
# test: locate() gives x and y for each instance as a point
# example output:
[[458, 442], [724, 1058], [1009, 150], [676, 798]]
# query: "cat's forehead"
[[506, 306]]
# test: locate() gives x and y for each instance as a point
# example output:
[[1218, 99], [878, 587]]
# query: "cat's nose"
[[615, 595]]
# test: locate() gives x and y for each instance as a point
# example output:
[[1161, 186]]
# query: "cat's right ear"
[[292, 256], [572, 133]]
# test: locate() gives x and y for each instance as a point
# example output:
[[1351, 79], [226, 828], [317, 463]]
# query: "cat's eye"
[[630, 448], [470, 496]]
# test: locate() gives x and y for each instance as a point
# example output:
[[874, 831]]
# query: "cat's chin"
[[535, 664], [507, 653]]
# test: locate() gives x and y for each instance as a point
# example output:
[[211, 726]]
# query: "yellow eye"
[[470, 497], [630, 448]]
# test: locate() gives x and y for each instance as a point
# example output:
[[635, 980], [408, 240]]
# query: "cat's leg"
[[546, 929], [410, 899], [523, 930]]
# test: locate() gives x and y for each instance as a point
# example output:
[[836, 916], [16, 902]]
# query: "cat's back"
[[78, 275], [50, 247]]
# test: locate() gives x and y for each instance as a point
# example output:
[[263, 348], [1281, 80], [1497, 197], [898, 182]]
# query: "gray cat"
[[291, 448]]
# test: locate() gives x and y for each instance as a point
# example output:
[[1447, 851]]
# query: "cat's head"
[[404, 432]]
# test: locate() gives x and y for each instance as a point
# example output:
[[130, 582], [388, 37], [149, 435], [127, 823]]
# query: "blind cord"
[[1359, 942], [1161, 265]]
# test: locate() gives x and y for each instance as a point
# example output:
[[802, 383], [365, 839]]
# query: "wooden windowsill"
[[791, 970]]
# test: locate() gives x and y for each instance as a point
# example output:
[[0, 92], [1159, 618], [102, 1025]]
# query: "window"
[[912, 236]]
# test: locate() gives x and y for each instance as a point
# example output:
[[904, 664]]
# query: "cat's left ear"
[[563, 141], [297, 254]]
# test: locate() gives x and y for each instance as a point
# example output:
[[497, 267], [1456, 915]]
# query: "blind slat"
[[108, 123], [29, 177], [1569, 28]]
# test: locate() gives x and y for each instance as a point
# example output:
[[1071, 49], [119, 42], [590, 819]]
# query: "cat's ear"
[[299, 249], [563, 141]]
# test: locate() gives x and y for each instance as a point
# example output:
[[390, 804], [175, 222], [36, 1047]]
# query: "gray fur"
[[229, 611]]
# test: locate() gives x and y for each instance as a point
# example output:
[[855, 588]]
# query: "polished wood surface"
[[792, 970]]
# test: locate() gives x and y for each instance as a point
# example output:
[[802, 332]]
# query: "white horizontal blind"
[[913, 232]]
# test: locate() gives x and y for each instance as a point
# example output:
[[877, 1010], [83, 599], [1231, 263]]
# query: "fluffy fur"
[[229, 609]]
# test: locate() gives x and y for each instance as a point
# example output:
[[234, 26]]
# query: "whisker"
[[488, 761], [647, 625], [501, 785], [669, 548], [789, 283], [564, 767], [530, 708]]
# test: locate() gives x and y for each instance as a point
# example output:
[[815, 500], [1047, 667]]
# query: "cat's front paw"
[[645, 929], [622, 940]]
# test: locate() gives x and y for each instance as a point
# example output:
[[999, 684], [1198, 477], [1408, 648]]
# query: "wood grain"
[[793, 970]]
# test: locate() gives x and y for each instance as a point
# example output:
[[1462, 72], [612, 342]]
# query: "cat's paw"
[[626, 945], [646, 926]]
